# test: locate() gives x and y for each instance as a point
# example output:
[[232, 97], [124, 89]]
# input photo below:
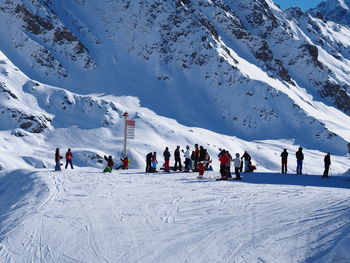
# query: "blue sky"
[[303, 4]]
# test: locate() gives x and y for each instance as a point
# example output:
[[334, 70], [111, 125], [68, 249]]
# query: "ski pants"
[[166, 166], [228, 171], [148, 167], [246, 166], [58, 166], [201, 169], [69, 162], [187, 164], [107, 169], [299, 166], [223, 170], [177, 161], [326, 170], [284, 166], [238, 175]]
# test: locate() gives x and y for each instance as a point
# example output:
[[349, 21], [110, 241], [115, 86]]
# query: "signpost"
[[129, 130]]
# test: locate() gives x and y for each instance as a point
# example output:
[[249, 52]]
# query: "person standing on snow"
[[148, 162], [284, 156], [166, 155], [177, 157], [187, 156], [202, 154], [237, 164], [223, 162], [228, 165], [300, 157], [69, 159], [247, 160], [196, 157], [58, 158], [110, 164], [154, 162], [327, 163]]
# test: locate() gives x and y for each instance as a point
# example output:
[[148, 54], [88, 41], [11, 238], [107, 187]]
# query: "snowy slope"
[[40, 118], [86, 216]]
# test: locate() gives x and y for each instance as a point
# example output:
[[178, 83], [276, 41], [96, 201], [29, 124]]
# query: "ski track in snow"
[[129, 216]]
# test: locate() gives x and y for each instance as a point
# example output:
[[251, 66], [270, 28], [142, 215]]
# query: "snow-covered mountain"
[[334, 10], [243, 68]]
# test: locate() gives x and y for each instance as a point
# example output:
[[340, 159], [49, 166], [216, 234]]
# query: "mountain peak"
[[334, 10]]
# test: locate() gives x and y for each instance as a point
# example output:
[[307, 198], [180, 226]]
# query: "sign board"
[[130, 129]]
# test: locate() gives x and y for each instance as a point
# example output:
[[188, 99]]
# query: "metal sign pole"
[[125, 115]]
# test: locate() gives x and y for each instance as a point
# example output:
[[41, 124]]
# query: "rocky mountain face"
[[241, 67], [337, 11]]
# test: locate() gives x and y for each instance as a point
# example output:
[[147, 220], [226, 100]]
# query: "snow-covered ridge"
[[334, 10]]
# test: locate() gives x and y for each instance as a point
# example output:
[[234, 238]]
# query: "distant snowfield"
[[83, 215]]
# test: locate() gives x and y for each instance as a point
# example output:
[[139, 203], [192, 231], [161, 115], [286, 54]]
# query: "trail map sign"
[[129, 130]]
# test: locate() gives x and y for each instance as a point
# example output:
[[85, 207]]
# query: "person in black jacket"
[[177, 157], [166, 155], [202, 154], [284, 156], [247, 160], [327, 163], [300, 157], [149, 162]]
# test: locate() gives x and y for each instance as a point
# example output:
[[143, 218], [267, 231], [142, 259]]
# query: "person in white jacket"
[[237, 163], [187, 156]]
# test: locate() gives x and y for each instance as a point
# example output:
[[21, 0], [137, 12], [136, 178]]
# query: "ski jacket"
[[327, 160], [284, 155], [166, 155], [196, 154], [246, 156], [154, 159], [193, 156], [149, 157], [58, 157], [223, 159], [300, 156], [69, 156], [177, 154], [202, 154], [110, 162], [125, 162], [187, 154], [237, 162]]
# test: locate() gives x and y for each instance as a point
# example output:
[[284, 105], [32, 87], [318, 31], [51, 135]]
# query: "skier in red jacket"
[[224, 159], [125, 163], [69, 158]]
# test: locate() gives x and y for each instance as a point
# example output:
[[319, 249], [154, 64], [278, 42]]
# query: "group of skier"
[[199, 161], [300, 158], [109, 167], [58, 158]]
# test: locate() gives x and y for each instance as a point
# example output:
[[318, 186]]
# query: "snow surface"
[[83, 215]]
